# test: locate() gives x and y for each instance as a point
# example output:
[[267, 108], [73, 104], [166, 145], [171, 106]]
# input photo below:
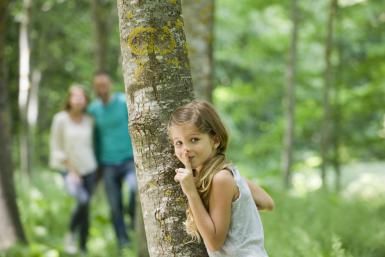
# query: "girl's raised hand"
[[185, 176]]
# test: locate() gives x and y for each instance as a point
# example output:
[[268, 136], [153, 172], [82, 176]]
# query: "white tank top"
[[245, 237]]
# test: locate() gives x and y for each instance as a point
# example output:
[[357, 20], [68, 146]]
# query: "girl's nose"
[[186, 149]]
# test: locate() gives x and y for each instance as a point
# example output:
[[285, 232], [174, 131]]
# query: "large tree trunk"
[[199, 25], [328, 80], [287, 156], [140, 233], [10, 226], [157, 78]]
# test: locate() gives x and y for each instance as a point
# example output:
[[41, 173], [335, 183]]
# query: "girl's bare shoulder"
[[223, 178]]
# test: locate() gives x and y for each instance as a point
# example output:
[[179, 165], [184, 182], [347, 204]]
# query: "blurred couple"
[[86, 139]]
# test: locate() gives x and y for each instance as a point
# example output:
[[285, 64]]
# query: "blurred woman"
[[72, 153]]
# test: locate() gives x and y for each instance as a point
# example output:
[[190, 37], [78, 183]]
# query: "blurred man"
[[114, 151]]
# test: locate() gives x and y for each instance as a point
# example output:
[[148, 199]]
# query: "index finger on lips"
[[186, 161]]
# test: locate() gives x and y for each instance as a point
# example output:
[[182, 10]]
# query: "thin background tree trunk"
[[157, 78], [328, 81], [289, 107], [100, 17], [336, 135], [10, 225], [199, 28], [24, 90]]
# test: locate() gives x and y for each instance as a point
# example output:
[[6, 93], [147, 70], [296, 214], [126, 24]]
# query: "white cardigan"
[[73, 142]]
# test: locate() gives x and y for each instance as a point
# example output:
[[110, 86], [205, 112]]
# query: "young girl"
[[223, 207]]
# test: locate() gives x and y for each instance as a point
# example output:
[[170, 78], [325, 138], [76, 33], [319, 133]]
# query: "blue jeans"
[[114, 176]]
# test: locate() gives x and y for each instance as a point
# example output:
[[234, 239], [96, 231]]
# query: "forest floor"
[[45, 209]]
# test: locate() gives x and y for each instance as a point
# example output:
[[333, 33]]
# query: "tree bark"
[[140, 232], [24, 90], [100, 13], [336, 133], [328, 80], [157, 79], [10, 225], [288, 144], [199, 28]]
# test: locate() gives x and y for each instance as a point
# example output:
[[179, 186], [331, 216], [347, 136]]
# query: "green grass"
[[324, 225], [317, 224], [45, 211]]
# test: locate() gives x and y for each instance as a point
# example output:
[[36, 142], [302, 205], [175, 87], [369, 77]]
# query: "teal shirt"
[[112, 139]]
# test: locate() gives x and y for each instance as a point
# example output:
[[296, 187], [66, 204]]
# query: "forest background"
[[335, 213]]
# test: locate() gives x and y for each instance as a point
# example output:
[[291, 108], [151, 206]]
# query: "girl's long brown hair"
[[206, 119]]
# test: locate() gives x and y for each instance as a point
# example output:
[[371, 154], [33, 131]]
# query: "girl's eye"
[[194, 140], [178, 143]]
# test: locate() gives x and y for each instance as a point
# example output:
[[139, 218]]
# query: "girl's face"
[[77, 100], [197, 146]]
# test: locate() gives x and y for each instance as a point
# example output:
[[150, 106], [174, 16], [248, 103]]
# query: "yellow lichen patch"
[[180, 201], [190, 48], [174, 62], [168, 192], [148, 40], [129, 15], [185, 49], [141, 40], [179, 23], [165, 41], [139, 70], [167, 238]]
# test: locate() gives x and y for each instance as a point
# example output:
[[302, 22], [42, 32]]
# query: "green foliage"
[[324, 225], [250, 55], [250, 52], [45, 211], [317, 224], [62, 49], [253, 134]]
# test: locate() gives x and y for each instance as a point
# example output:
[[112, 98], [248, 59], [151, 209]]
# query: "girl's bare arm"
[[212, 224], [261, 198]]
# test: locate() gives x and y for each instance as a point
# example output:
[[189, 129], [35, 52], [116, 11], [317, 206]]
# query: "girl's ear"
[[216, 142]]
